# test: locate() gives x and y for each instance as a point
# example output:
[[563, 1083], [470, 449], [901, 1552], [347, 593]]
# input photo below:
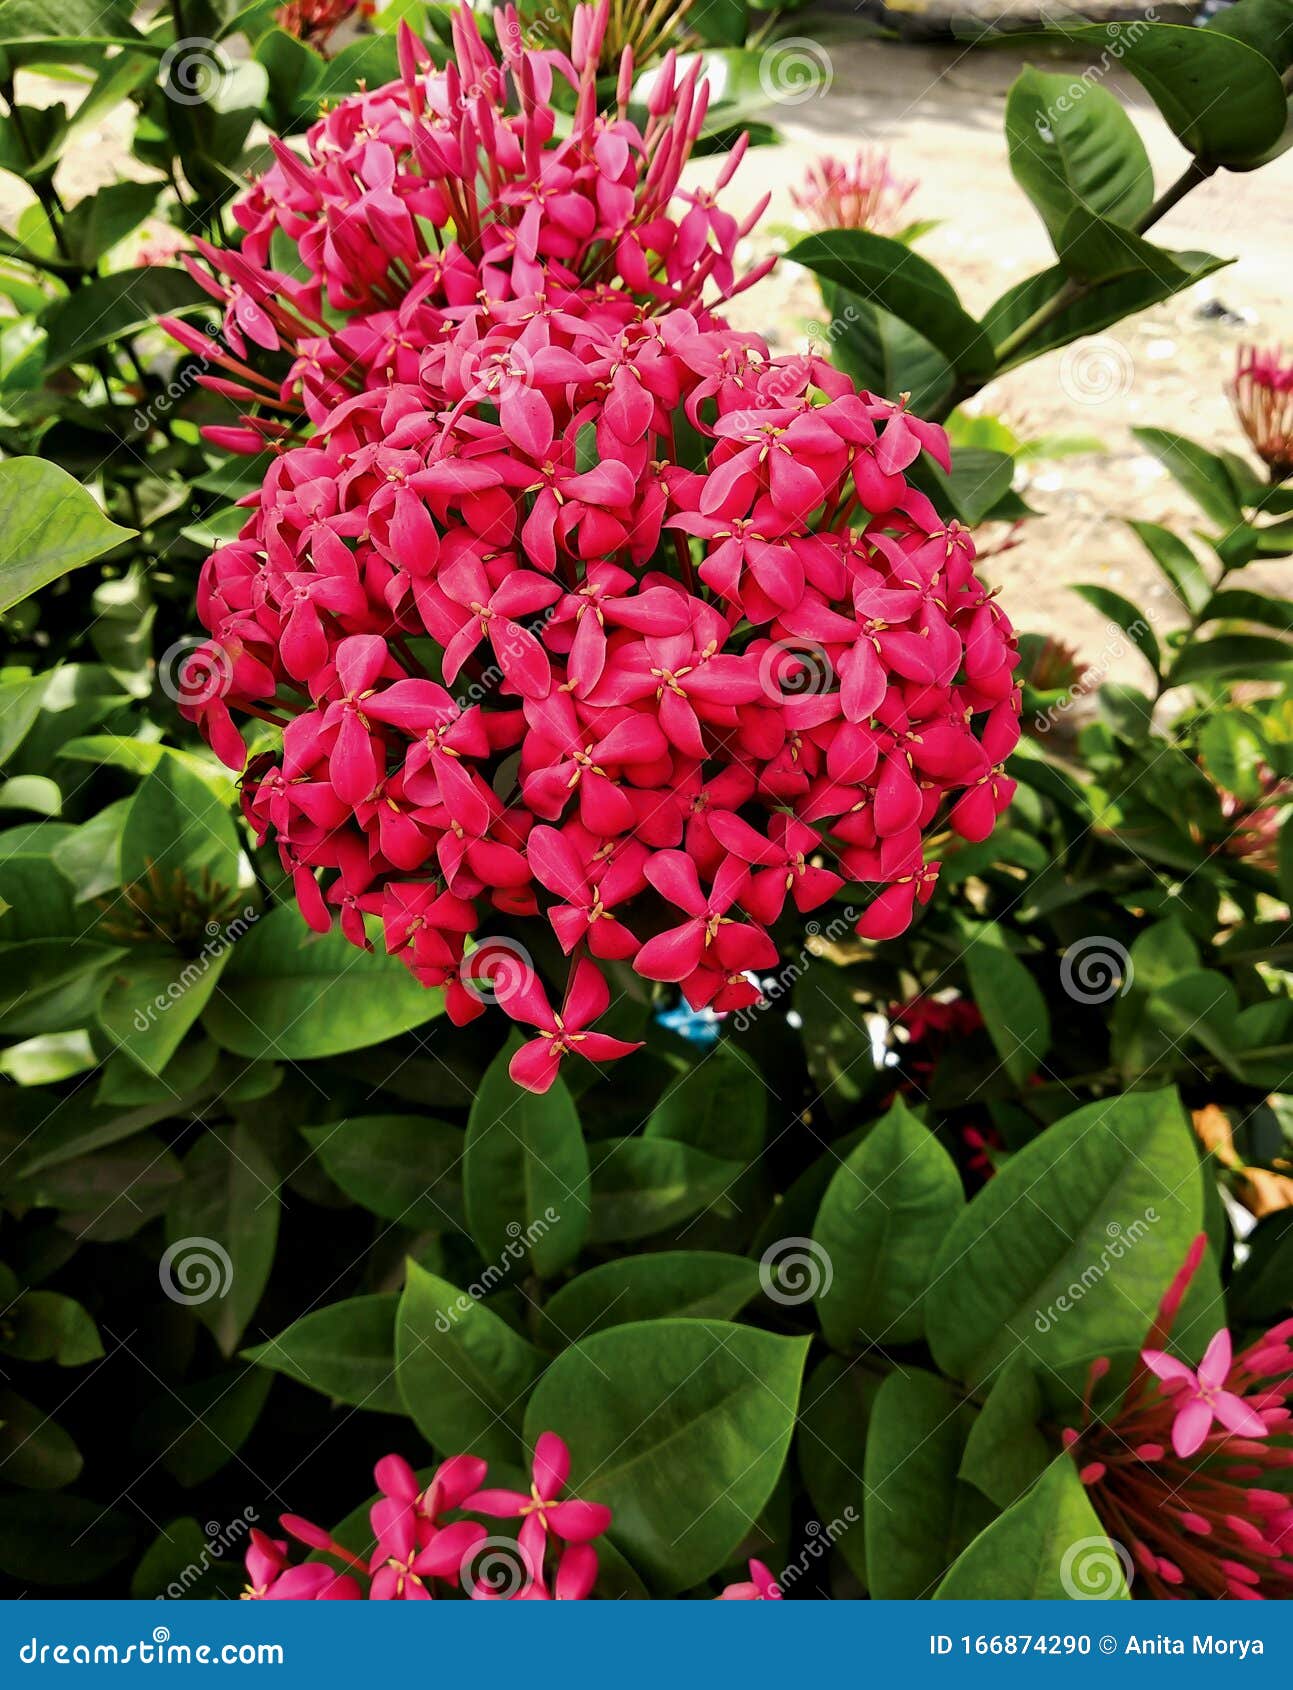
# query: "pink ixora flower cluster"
[[612, 619], [1190, 1472], [863, 193], [417, 1548], [1262, 394], [447, 188]]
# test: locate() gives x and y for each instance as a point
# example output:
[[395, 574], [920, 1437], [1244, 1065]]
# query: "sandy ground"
[[939, 110]]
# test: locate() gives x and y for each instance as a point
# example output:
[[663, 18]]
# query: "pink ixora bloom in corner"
[[1189, 1468], [541, 1512]]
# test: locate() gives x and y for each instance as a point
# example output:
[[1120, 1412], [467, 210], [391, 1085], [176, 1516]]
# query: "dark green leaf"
[[701, 1284], [402, 1167], [345, 1350], [682, 1428]]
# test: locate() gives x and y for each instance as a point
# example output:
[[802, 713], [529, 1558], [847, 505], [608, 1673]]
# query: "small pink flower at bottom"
[[572, 1521], [759, 1587]]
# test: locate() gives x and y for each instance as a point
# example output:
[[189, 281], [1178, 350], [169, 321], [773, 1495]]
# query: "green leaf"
[[526, 1173], [463, 1373], [1177, 562], [980, 479], [881, 352], [1222, 98], [1233, 657], [1013, 1007], [643, 1185], [1127, 618], [1095, 309], [830, 1448], [1006, 1450], [700, 1284], [1238, 604], [49, 525], [1067, 1251], [141, 757], [1069, 152], [47, 1326], [919, 1516], [681, 1427], [885, 1213], [291, 994], [888, 274], [1203, 475], [95, 224], [177, 829], [35, 1451], [404, 1168], [1048, 1546], [345, 1350], [199, 1427], [154, 995], [114, 307], [222, 1231], [61, 1540], [720, 1106]]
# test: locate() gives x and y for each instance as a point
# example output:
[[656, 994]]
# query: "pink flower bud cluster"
[[611, 619], [452, 186]]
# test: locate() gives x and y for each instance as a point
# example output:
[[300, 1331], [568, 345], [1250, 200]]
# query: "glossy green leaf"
[[1013, 1006], [919, 1516], [463, 1373], [1067, 1251], [682, 1428], [643, 1185], [291, 994], [885, 1213], [49, 525], [886, 273], [403, 1167], [700, 1284], [112, 307], [1049, 1546], [525, 1180], [1070, 151], [346, 1350]]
